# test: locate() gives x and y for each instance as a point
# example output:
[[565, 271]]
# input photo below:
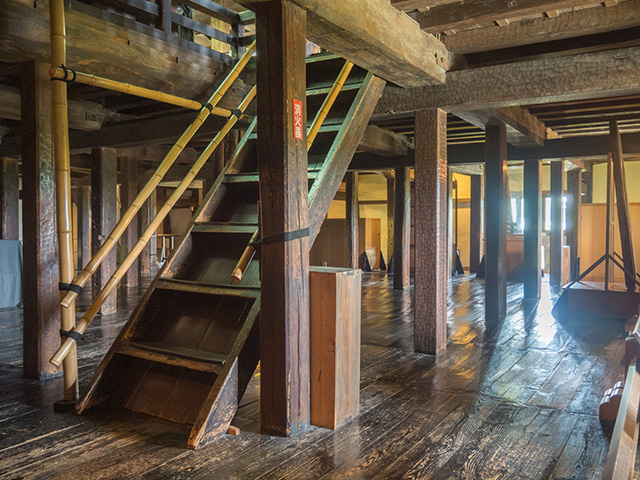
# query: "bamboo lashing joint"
[[250, 250], [157, 177], [86, 319]]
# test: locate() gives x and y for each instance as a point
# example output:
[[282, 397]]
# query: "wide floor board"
[[519, 402]]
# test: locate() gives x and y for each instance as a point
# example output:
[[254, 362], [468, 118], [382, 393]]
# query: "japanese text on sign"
[[297, 119]]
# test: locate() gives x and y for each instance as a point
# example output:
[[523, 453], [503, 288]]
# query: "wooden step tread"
[[231, 290], [190, 358], [224, 228]]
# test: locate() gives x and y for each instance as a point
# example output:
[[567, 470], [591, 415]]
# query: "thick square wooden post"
[[84, 225], [431, 242], [532, 227], [496, 223], [574, 198], [556, 239], [104, 217], [128, 192], [402, 230], [284, 266], [40, 281], [353, 219], [9, 199], [475, 223]]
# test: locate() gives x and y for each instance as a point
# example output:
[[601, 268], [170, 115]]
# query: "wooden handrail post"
[[160, 172], [62, 159], [147, 234]]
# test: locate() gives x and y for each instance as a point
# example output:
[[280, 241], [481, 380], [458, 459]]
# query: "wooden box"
[[335, 345]]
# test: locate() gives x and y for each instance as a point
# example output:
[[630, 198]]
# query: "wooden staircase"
[[190, 347]]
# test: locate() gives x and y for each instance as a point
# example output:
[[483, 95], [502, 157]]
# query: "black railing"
[[202, 26]]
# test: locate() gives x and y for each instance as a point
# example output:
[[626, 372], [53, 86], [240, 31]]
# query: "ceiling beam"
[[377, 37], [383, 142], [409, 5], [571, 24], [584, 148], [523, 129], [83, 115], [604, 74], [471, 13]]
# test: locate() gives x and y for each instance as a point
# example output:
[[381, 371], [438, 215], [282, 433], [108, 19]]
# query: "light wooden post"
[[556, 241], [128, 193], [574, 198], [431, 269], [402, 230], [282, 160], [532, 228], [41, 310], [9, 199], [496, 218], [352, 219], [103, 217], [475, 223]]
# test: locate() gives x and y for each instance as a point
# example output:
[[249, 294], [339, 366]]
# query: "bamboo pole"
[[60, 120], [249, 251], [101, 82], [160, 172], [147, 234], [328, 103]]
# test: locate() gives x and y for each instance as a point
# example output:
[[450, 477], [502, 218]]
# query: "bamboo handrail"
[[60, 127], [148, 233], [328, 103], [63, 73], [250, 250], [160, 172]]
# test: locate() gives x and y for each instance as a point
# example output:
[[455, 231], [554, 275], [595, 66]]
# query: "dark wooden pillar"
[[282, 159], [147, 258], [431, 239], [532, 228], [587, 183], [391, 208], [496, 223], [103, 217], [84, 225], [475, 223], [41, 332], [9, 199], [556, 240], [402, 230], [128, 192], [574, 197], [352, 217]]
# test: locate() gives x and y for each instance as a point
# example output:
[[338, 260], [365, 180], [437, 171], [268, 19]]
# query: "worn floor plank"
[[516, 402]]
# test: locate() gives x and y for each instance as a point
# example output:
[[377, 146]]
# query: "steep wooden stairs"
[[190, 347]]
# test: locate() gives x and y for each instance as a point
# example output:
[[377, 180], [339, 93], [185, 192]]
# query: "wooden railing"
[[624, 440], [202, 26]]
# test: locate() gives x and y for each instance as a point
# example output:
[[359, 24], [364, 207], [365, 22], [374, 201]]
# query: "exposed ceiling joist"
[[377, 37], [590, 75], [471, 13], [587, 21], [523, 129]]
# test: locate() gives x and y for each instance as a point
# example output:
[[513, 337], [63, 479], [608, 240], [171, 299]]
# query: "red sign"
[[298, 131]]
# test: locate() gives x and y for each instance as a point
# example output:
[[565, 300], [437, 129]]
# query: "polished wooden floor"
[[518, 402]]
